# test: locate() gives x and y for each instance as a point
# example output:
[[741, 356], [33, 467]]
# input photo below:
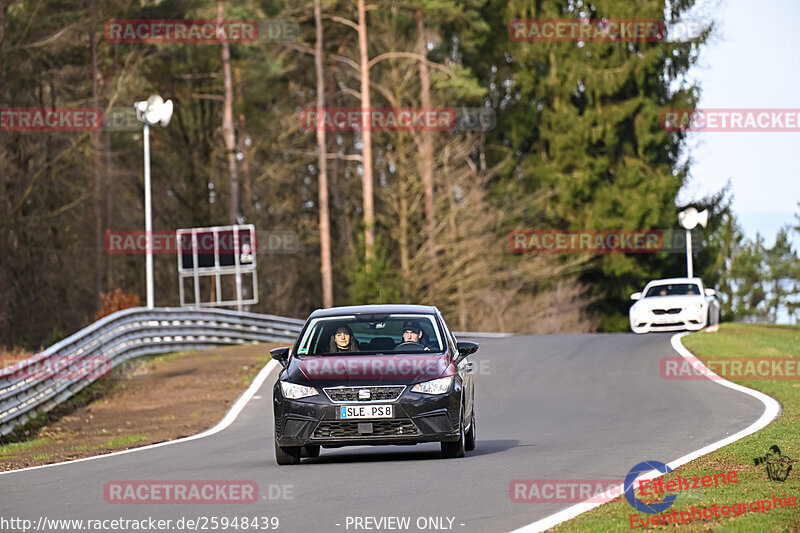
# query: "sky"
[[751, 62]]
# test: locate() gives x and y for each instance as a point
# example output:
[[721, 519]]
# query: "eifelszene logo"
[[639, 505]]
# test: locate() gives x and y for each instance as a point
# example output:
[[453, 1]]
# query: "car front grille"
[[381, 393], [671, 311], [380, 428]]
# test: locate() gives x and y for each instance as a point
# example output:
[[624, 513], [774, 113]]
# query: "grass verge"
[[146, 400], [753, 484]]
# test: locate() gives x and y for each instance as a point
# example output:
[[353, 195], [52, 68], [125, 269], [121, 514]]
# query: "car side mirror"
[[711, 292], [466, 348], [281, 355], [636, 296]]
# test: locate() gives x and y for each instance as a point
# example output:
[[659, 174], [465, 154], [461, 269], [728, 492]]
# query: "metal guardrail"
[[44, 380]]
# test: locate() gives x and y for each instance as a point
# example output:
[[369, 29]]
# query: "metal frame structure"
[[239, 268]]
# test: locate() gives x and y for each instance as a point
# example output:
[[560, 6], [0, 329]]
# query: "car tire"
[[454, 450], [287, 455], [312, 450], [469, 437]]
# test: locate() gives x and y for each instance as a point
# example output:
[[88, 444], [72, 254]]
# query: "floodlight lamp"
[[153, 111], [690, 217]]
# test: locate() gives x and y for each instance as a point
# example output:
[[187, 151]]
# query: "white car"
[[674, 304]]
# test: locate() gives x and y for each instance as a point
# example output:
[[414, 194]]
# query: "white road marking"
[[771, 410], [226, 421]]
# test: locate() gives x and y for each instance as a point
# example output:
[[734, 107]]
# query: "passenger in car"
[[343, 340]]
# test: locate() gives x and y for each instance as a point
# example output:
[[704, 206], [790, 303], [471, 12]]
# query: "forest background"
[[412, 216]]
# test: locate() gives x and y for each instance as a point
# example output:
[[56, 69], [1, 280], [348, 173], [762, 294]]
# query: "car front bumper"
[[416, 418], [680, 322]]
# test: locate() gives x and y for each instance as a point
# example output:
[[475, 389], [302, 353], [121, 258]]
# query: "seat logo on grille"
[[363, 394]]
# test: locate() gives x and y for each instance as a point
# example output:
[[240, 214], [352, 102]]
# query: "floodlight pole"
[[148, 217], [689, 266]]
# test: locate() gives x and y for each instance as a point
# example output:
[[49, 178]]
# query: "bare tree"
[[97, 197], [227, 124], [425, 142], [324, 216], [245, 147], [369, 209], [4, 199]]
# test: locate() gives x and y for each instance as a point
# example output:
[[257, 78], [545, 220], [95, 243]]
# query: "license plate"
[[365, 411], [666, 319]]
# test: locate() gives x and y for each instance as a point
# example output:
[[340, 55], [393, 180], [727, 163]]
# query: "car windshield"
[[371, 334], [673, 289]]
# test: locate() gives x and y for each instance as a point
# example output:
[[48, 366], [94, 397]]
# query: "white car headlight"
[[294, 391], [435, 386]]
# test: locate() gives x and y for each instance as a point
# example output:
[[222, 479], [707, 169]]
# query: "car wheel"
[[469, 437], [312, 450], [287, 455], [454, 450]]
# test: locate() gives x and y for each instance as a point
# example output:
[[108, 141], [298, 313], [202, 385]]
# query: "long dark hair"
[[352, 347]]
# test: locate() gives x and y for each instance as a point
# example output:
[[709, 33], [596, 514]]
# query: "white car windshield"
[[673, 289], [358, 334]]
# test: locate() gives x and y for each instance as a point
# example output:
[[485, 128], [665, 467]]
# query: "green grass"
[[732, 340], [254, 369], [124, 441], [8, 449]]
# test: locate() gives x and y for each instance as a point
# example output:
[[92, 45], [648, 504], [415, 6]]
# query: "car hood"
[[356, 370]]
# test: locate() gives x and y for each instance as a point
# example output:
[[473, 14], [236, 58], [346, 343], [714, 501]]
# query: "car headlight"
[[435, 386], [294, 391]]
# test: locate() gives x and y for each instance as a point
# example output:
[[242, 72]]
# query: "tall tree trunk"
[[339, 218], [426, 143], [110, 74], [405, 262], [247, 208], [369, 210], [5, 213], [109, 204], [228, 134], [97, 197], [324, 217]]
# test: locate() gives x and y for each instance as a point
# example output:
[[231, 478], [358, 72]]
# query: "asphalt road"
[[548, 407]]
